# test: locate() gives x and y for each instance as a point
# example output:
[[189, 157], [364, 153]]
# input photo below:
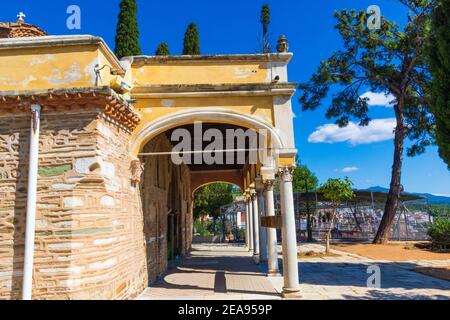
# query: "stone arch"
[[216, 115], [201, 179]]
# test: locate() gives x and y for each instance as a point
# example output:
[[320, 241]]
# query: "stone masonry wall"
[[89, 228], [164, 187]]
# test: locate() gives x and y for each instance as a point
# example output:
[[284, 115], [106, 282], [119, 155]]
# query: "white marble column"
[[250, 225], [262, 230], [255, 226], [272, 242], [30, 227], [289, 233], [247, 231]]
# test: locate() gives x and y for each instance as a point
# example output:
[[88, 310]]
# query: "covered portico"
[[251, 92]]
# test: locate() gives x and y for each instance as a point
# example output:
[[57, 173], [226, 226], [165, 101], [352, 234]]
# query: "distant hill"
[[433, 199]]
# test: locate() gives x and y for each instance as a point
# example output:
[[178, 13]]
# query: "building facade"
[[91, 205]]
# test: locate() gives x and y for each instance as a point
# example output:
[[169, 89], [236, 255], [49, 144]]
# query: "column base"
[[273, 274], [291, 293]]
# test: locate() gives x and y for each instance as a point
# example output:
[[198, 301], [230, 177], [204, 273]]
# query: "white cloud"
[[349, 169], [379, 99], [377, 130]]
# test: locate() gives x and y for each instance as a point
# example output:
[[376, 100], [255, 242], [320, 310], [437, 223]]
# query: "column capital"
[[253, 194], [268, 185], [286, 174]]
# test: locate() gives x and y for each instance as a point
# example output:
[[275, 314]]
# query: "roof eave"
[[61, 41], [270, 57]]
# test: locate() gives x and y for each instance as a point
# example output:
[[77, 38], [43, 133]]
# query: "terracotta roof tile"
[[20, 29]]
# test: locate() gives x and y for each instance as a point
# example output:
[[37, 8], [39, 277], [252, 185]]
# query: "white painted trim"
[[199, 94], [27, 285]]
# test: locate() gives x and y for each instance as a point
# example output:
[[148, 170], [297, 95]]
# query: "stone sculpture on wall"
[[137, 168]]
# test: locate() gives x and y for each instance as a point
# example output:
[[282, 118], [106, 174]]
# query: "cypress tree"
[[265, 21], [439, 52], [191, 40], [265, 18], [127, 32], [163, 49]]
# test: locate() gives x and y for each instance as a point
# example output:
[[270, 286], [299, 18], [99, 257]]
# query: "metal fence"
[[233, 222], [360, 219], [355, 220]]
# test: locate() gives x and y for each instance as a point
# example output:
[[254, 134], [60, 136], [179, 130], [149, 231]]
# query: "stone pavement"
[[214, 272], [228, 272], [345, 277]]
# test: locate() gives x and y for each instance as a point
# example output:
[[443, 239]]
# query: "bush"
[[201, 228], [241, 234], [208, 229], [439, 232], [215, 227]]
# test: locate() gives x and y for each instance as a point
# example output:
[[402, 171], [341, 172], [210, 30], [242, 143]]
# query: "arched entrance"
[[172, 173], [167, 187], [205, 115]]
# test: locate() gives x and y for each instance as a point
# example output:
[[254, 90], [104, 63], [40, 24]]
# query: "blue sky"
[[232, 26]]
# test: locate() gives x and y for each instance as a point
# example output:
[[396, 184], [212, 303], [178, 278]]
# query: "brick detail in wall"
[[89, 228]]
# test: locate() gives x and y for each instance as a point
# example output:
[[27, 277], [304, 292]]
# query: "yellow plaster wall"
[[52, 68], [198, 72], [153, 109]]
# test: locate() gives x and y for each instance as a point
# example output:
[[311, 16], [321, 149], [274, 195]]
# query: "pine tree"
[[163, 49], [265, 21], [191, 40], [127, 33], [440, 67], [390, 60]]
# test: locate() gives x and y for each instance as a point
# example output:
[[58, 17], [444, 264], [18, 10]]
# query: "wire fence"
[[357, 220], [360, 218]]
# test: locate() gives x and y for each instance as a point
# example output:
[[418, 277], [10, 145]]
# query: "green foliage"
[[127, 32], [440, 210], [389, 60], [162, 50], [265, 18], [439, 52], [241, 234], [206, 229], [265, 22], [439, 232], [191, 40], [337, 191], [215, 227], [303, 179], [201, 228], [209, 199]]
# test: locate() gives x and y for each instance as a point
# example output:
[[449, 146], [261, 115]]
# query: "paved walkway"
[[228, 272], [214, 272], [345, 277]]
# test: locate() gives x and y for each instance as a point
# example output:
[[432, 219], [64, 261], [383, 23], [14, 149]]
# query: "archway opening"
[[215, 221], [168, 186]]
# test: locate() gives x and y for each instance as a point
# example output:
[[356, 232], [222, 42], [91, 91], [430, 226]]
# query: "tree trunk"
[[327, 243], [308, 210], [328, 235], [395, 190]]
